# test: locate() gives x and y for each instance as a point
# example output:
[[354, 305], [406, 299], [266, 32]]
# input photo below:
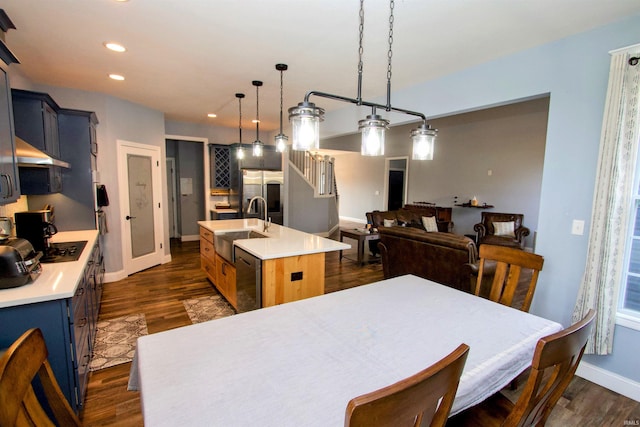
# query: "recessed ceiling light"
[[212, 115], [115, 47], [116, 77]]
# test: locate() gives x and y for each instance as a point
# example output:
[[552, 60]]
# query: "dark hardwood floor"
[[158, 292]]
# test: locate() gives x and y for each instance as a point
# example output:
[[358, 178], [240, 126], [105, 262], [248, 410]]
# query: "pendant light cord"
[[390, 54], [360, 52], [257, 114], [240, 96], [281, 86]]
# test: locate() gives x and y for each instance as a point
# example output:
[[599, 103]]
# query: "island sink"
[[223, 241]]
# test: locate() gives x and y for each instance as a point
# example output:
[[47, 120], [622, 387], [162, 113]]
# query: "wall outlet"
[[577, 227]]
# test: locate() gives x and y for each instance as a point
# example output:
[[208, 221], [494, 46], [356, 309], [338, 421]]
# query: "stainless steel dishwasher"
[[248, 281]]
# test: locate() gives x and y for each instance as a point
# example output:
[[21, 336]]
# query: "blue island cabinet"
[[65, 324]]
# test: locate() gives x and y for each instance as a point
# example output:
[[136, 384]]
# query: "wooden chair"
[[421, 399], [555, 361], [509, 263], [19, 406]]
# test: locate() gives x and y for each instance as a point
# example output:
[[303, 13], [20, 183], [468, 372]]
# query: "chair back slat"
[[421, 399], [508, 275]]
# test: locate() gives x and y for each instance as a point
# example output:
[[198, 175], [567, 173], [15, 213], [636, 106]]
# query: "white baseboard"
[[359, 220], [190, 238], [610, 380], [114, 276]]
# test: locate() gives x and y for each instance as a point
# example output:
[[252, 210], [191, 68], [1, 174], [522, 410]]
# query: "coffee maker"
[[37, 227]]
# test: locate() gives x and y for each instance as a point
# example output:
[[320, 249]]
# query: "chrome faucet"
[[266, 223]]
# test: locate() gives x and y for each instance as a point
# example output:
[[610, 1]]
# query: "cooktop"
[[63, 251]]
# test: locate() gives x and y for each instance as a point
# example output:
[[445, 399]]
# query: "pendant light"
[[281, 138], [423, 142], [257, 144], [373, 129], [305, 121], [240, 150], [305, 118]]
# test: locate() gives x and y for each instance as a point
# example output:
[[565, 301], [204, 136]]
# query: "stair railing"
[[317, 169]]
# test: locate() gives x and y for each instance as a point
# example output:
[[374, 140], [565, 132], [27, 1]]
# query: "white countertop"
[[282, 241], [57, 280]]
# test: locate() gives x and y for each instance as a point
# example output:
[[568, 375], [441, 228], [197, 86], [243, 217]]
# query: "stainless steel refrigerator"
[[265, 183]]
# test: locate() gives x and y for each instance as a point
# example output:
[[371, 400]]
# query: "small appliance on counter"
[[19, 263], [6, 227], [37, 227]]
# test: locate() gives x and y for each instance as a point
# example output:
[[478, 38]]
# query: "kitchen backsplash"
[[19, 206]]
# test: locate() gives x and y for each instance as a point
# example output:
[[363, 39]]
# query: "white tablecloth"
[[298, 364]]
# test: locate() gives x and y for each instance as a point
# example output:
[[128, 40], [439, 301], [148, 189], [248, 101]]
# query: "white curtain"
[[612, 201]]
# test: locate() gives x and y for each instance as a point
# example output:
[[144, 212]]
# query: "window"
[[629, 303]]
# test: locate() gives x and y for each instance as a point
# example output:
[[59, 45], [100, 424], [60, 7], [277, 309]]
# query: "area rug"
[[116, 340], [207, 308]]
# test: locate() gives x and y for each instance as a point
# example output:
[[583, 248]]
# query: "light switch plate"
[[577, 227]]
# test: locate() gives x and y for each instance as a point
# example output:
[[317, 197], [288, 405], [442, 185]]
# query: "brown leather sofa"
[[407, 217], [442, 257]]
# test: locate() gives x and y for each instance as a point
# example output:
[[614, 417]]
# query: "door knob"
[[129, 217]]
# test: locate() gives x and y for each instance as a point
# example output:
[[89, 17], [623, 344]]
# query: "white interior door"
[[141, 191]]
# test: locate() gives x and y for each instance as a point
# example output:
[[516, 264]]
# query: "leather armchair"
[[485, 230]]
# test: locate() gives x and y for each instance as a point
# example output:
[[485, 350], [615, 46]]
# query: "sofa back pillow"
[[505, 228], [429, 223]]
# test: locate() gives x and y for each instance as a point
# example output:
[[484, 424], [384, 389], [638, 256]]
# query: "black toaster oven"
[[19, 263]]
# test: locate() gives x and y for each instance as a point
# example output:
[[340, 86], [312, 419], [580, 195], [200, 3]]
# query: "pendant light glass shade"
[[281, 142], [305, 121], [373, 129], [240, 153], [423, 138], [257, 148]]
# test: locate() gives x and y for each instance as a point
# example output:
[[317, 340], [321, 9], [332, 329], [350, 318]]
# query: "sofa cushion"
[[429, 223], [504, 228]]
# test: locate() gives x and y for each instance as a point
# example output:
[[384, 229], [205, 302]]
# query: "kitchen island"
[[63, 302], [292, 261]]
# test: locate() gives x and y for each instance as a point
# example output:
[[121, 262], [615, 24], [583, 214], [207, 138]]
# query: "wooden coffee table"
[[361, 236]]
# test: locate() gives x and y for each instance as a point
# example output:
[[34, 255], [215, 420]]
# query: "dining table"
[[299, 364]]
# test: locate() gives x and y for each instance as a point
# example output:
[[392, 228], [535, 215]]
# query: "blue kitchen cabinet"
[[68, 326], [9, 183], [36, 120]]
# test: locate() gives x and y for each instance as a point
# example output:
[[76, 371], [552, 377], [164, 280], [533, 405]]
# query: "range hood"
[[28, 155]]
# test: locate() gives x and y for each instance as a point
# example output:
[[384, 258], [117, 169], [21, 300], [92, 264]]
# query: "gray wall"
[[189, 164], [507, 140], [574, 71], [305, 212]]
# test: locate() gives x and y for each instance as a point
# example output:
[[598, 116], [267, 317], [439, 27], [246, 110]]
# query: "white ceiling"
[[187, 58]]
